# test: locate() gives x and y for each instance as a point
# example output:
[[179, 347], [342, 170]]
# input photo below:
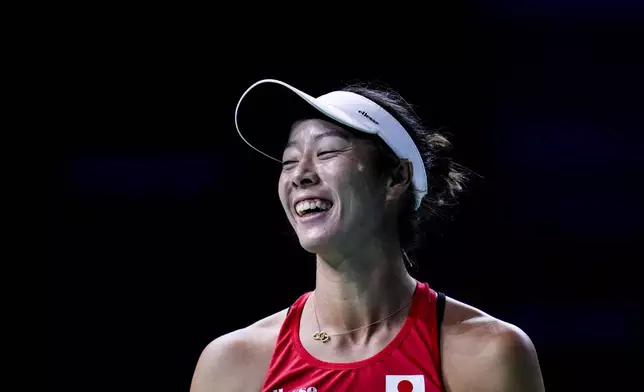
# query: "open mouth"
[[310, 207]]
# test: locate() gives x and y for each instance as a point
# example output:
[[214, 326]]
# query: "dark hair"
[[446, 178]]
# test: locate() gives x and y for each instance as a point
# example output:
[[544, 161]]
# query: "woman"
[[358, 171]]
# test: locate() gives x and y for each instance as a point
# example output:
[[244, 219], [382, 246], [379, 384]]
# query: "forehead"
[[315, 129]]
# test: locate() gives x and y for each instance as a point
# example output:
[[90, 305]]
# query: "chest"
[[341, 350], [401, 380], [407, 367]]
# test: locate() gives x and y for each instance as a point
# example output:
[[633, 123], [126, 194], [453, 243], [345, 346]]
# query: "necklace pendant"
[[321, 336]]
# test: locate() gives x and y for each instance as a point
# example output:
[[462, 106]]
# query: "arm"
[[508, 363], [239, 360], [215, 365], [224, 365], [514, 365], [483, 354]]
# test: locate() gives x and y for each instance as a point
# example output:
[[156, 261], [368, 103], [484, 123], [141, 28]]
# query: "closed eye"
[[324, 153]]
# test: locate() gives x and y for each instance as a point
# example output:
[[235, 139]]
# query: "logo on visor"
[[368, 116]]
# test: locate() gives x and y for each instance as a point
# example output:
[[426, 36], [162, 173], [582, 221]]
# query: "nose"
[[305, 175]]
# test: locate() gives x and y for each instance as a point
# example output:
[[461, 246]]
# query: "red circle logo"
[[405, 386]]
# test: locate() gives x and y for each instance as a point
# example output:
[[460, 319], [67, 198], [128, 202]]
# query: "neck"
[[355, 290]]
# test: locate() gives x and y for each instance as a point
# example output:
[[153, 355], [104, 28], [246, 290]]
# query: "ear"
[[400, 180]]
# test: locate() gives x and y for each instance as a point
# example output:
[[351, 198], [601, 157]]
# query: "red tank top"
[[410, 363]]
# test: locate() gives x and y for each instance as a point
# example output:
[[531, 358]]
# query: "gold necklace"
[[325, 337]]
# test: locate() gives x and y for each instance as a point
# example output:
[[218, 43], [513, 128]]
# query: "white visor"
[[346, 108]]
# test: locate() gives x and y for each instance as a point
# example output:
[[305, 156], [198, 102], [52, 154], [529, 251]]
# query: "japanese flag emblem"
[[404, 384]]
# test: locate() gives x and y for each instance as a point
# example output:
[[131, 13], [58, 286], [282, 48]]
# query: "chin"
[[316, 244]]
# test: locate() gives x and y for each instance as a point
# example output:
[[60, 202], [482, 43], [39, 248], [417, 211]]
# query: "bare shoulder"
[[483, 353], [239, 360]]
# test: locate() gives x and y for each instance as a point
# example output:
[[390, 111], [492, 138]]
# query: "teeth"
[[305, 206]]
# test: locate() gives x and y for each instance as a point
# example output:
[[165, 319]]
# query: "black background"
[[166, 230]]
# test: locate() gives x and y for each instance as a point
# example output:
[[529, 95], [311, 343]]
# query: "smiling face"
[[329, 187]]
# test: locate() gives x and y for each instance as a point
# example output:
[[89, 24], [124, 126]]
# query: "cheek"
[[358, 187], [361, 177], [281, 191]]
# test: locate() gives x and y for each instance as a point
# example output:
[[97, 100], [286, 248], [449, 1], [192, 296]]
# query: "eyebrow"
[[330, 132]]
